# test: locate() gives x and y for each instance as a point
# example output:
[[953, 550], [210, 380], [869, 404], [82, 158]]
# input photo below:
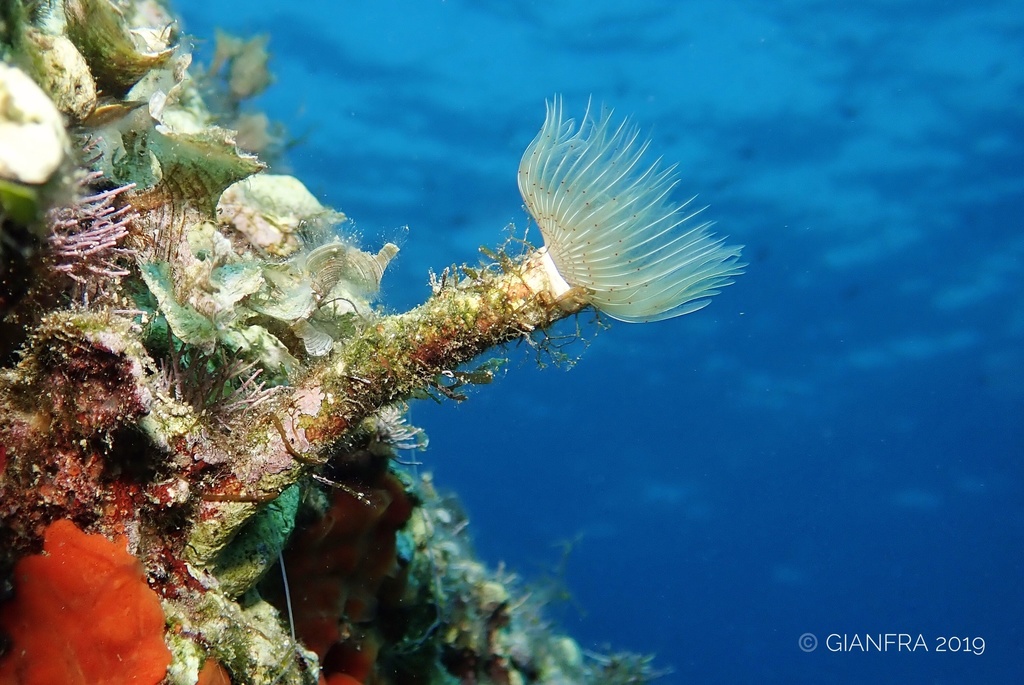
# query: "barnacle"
[[609, 225]]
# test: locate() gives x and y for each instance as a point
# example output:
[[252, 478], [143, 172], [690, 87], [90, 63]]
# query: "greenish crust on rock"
[[240, 565], [246, 636]]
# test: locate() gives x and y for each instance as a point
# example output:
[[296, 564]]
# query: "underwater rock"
[[194, 366]]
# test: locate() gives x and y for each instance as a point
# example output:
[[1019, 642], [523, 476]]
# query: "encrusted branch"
[[402, 356], [393, 359]]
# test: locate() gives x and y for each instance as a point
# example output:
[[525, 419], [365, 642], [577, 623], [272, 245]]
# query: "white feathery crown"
[[609, 225]]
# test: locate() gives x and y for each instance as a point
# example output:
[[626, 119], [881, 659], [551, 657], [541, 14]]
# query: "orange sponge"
[[213, 673], [82, 614]]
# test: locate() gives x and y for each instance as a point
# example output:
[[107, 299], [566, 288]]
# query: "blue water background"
[[835, 444]]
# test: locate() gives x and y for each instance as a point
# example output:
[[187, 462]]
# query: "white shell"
[[32, 137]]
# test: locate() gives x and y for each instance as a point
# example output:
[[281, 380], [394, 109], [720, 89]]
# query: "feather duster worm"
[[609, 226]]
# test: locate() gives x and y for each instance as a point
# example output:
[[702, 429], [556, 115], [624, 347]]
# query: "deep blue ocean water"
[[833, 446]]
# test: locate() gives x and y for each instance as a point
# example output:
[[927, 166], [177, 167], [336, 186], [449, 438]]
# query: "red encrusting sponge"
[[82, 614]]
